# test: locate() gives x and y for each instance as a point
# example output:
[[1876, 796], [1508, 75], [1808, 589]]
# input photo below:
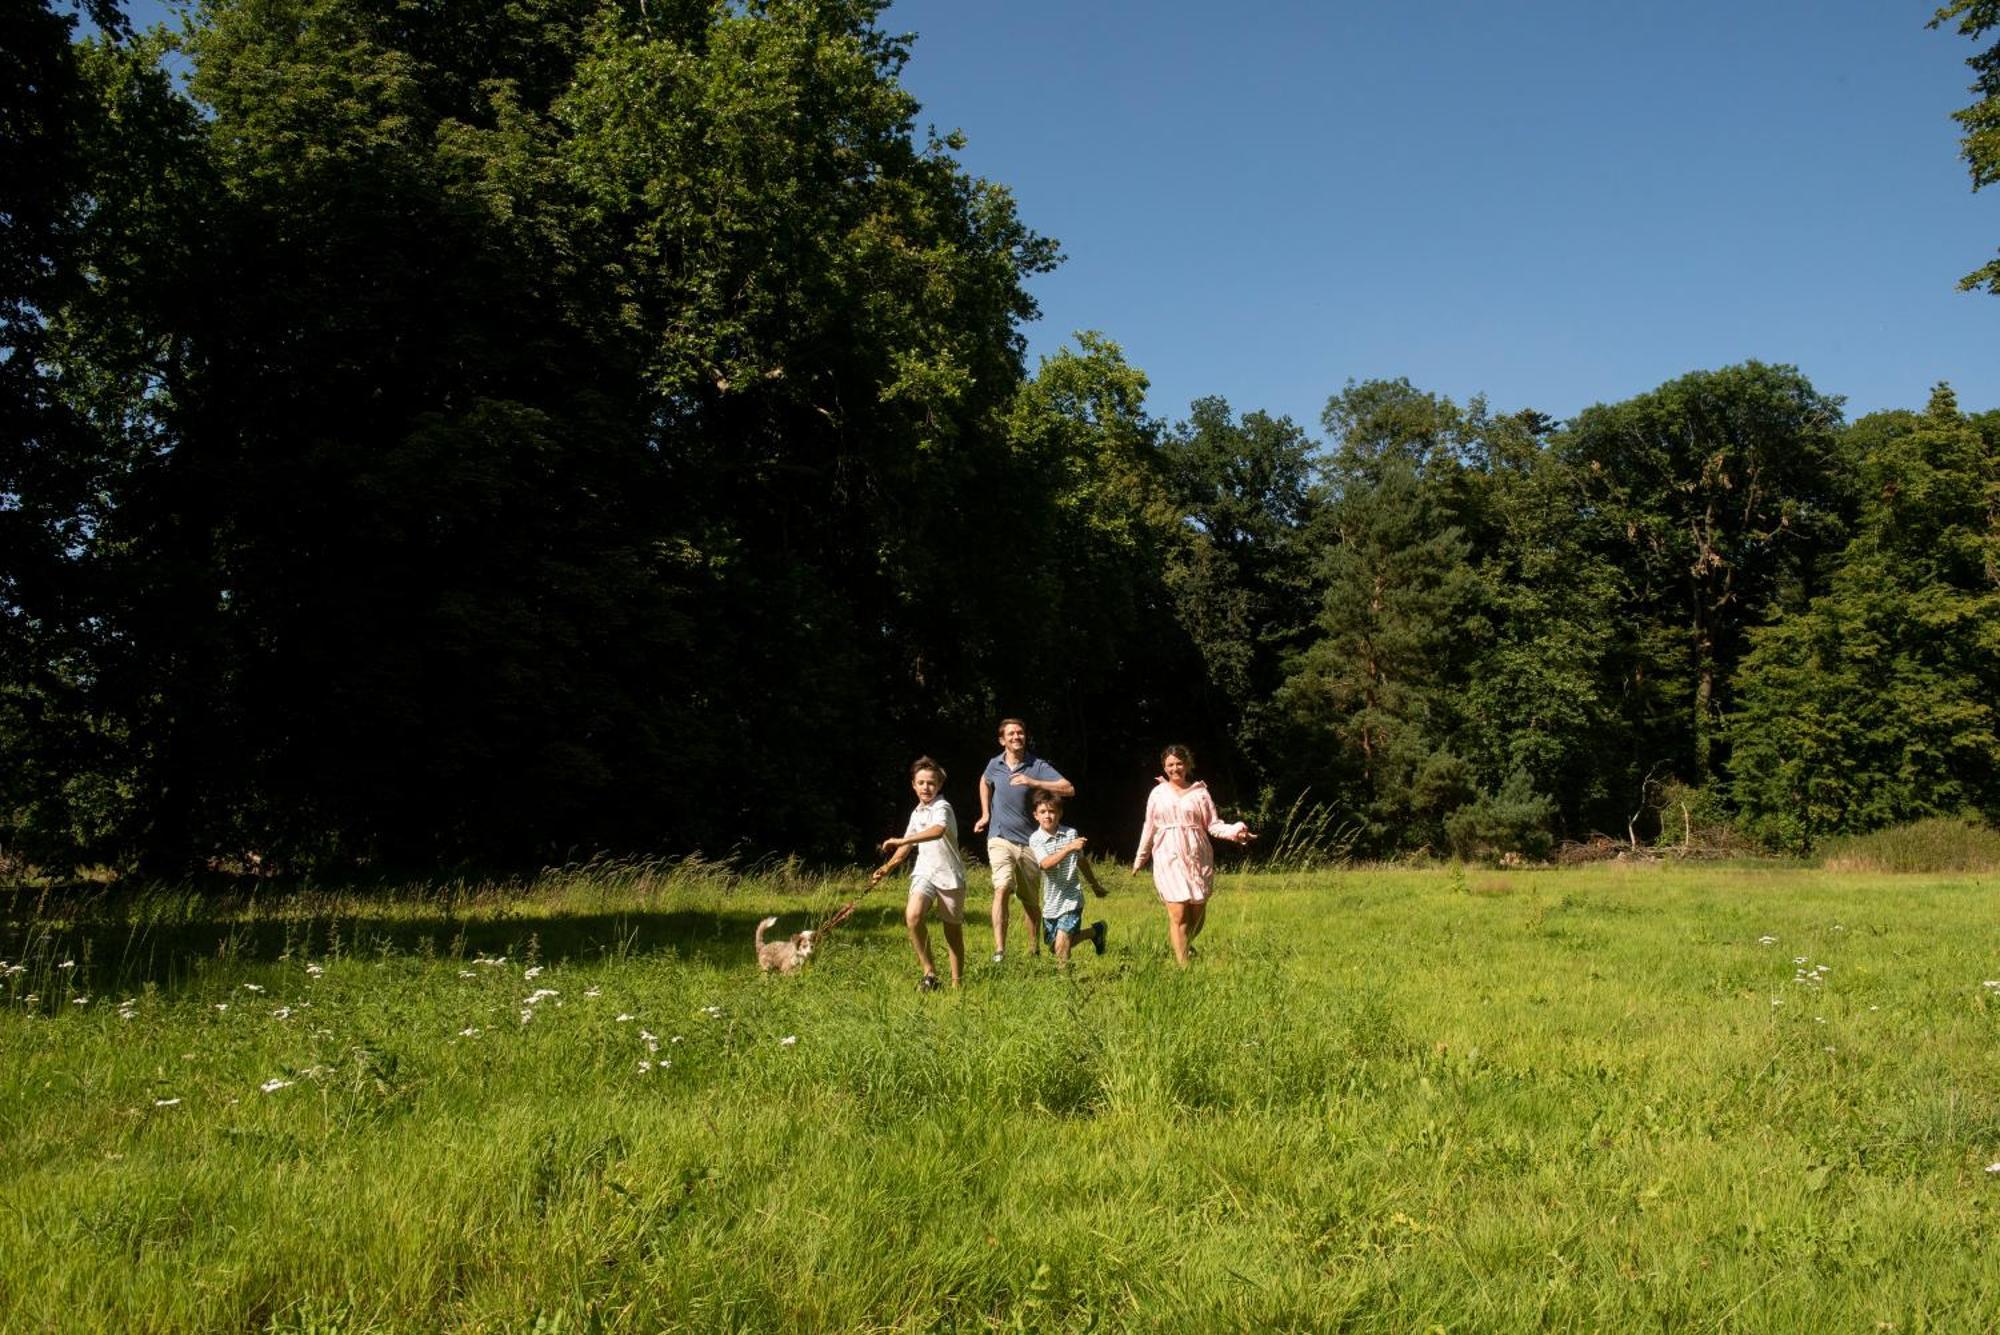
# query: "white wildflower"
[[67, 964], [1991, 983], [470, 1031], [468, 973], [253, 987], [222, 1005], [712, 1012], [789, 1041], [651, 1041], [282, 1013], [1800, 959], [79, 1001], [675, 1039], [31, 998], [166, 1103], [532, 973], [644, 1066], [593, 991], [1993, 1168], [315, 969], [1776, 1002], [527, 1014], [541, 994], [624, 1018], [1767, 940], [273, 1085]]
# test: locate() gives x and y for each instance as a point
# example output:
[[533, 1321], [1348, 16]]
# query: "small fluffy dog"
[[787, 956]]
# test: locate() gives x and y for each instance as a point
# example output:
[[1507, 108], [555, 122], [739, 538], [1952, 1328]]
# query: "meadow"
[[1721, 1097]]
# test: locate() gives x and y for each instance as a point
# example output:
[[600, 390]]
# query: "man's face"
[[1014, 739]]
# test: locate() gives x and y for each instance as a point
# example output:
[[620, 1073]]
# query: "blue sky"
[[1554, 204], [1551, 202]]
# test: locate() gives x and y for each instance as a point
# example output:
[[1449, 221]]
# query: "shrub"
[[1514, 820], [1940, 843]]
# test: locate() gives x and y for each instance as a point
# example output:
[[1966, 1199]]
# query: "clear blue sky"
[[1552, 202]]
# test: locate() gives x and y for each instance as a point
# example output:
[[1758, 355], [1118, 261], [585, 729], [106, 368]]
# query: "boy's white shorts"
[[949, 899]]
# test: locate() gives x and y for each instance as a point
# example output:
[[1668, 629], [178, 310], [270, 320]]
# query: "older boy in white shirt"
[[937, 878]]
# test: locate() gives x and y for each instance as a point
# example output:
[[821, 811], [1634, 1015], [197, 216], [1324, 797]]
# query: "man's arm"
[[1043, 775], [985, 804]]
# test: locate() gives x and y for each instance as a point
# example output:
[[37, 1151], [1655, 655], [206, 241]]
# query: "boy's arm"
[[1073, 846], [896, 859], [920, 837]]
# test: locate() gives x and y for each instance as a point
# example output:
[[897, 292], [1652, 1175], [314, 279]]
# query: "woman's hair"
[[1186, 756], [926, 763]]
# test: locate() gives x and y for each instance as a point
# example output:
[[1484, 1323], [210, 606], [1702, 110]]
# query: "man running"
[[1006, 802]]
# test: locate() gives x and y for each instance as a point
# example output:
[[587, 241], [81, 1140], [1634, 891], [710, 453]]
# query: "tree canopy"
[[505, 433]]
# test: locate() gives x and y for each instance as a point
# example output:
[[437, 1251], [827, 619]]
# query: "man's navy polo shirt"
[[1013, 808]]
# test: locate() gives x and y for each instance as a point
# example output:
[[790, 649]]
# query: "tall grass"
[[1602, 1099], [1305, 836], [1939, 844]]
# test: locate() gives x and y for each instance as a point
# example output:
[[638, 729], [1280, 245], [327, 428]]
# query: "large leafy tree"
[[1539, 697], [1093, 645], [1242, 574], [1717, 492], [534, 426], [1980, 145], [1875, 704]]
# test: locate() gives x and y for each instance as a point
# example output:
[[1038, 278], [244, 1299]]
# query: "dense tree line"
[[473, 432]]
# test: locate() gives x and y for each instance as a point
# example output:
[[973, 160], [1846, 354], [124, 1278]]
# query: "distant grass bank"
[[1728, 1098]]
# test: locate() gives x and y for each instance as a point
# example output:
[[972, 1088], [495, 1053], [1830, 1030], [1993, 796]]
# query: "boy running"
[[937, 878], [1059, 851]]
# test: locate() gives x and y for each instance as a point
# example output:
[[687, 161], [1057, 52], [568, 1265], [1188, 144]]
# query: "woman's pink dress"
[[1178, 823]]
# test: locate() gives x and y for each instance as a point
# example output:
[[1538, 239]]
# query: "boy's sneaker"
[[1097, 935], [999, 957], [928, 984]]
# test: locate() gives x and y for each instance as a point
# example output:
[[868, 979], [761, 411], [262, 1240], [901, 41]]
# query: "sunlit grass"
[[1736, 1098]]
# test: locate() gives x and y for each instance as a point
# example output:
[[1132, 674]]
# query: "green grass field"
[[1728, 1098]]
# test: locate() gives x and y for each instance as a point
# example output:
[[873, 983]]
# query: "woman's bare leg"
[[1177, 930]]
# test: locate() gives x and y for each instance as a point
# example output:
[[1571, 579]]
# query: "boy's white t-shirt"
[[937, 860]]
